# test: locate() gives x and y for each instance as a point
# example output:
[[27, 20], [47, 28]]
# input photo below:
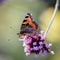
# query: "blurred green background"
[[12, 13]]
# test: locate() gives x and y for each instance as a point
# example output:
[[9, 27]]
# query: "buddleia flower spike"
[[35, 44]]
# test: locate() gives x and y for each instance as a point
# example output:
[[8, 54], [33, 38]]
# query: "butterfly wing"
[[28, 26]]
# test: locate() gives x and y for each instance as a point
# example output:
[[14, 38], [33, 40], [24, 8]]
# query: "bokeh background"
[[12, 13]]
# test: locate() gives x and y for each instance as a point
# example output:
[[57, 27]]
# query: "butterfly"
[[28, 27]]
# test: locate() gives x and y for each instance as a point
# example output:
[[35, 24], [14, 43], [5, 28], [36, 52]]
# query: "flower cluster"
[[36, 44]]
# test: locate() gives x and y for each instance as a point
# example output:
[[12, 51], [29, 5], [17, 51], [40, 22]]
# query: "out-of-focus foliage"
[[51, 3], [53, 35], [12, 13]]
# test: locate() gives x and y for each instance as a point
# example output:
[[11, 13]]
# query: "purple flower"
[[36, 55], [36, 44], [1, 1]]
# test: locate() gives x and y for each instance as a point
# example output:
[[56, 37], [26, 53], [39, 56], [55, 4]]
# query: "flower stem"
[[52, 19]]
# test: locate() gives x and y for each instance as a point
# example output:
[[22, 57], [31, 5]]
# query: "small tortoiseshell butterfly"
[[28, 26]]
